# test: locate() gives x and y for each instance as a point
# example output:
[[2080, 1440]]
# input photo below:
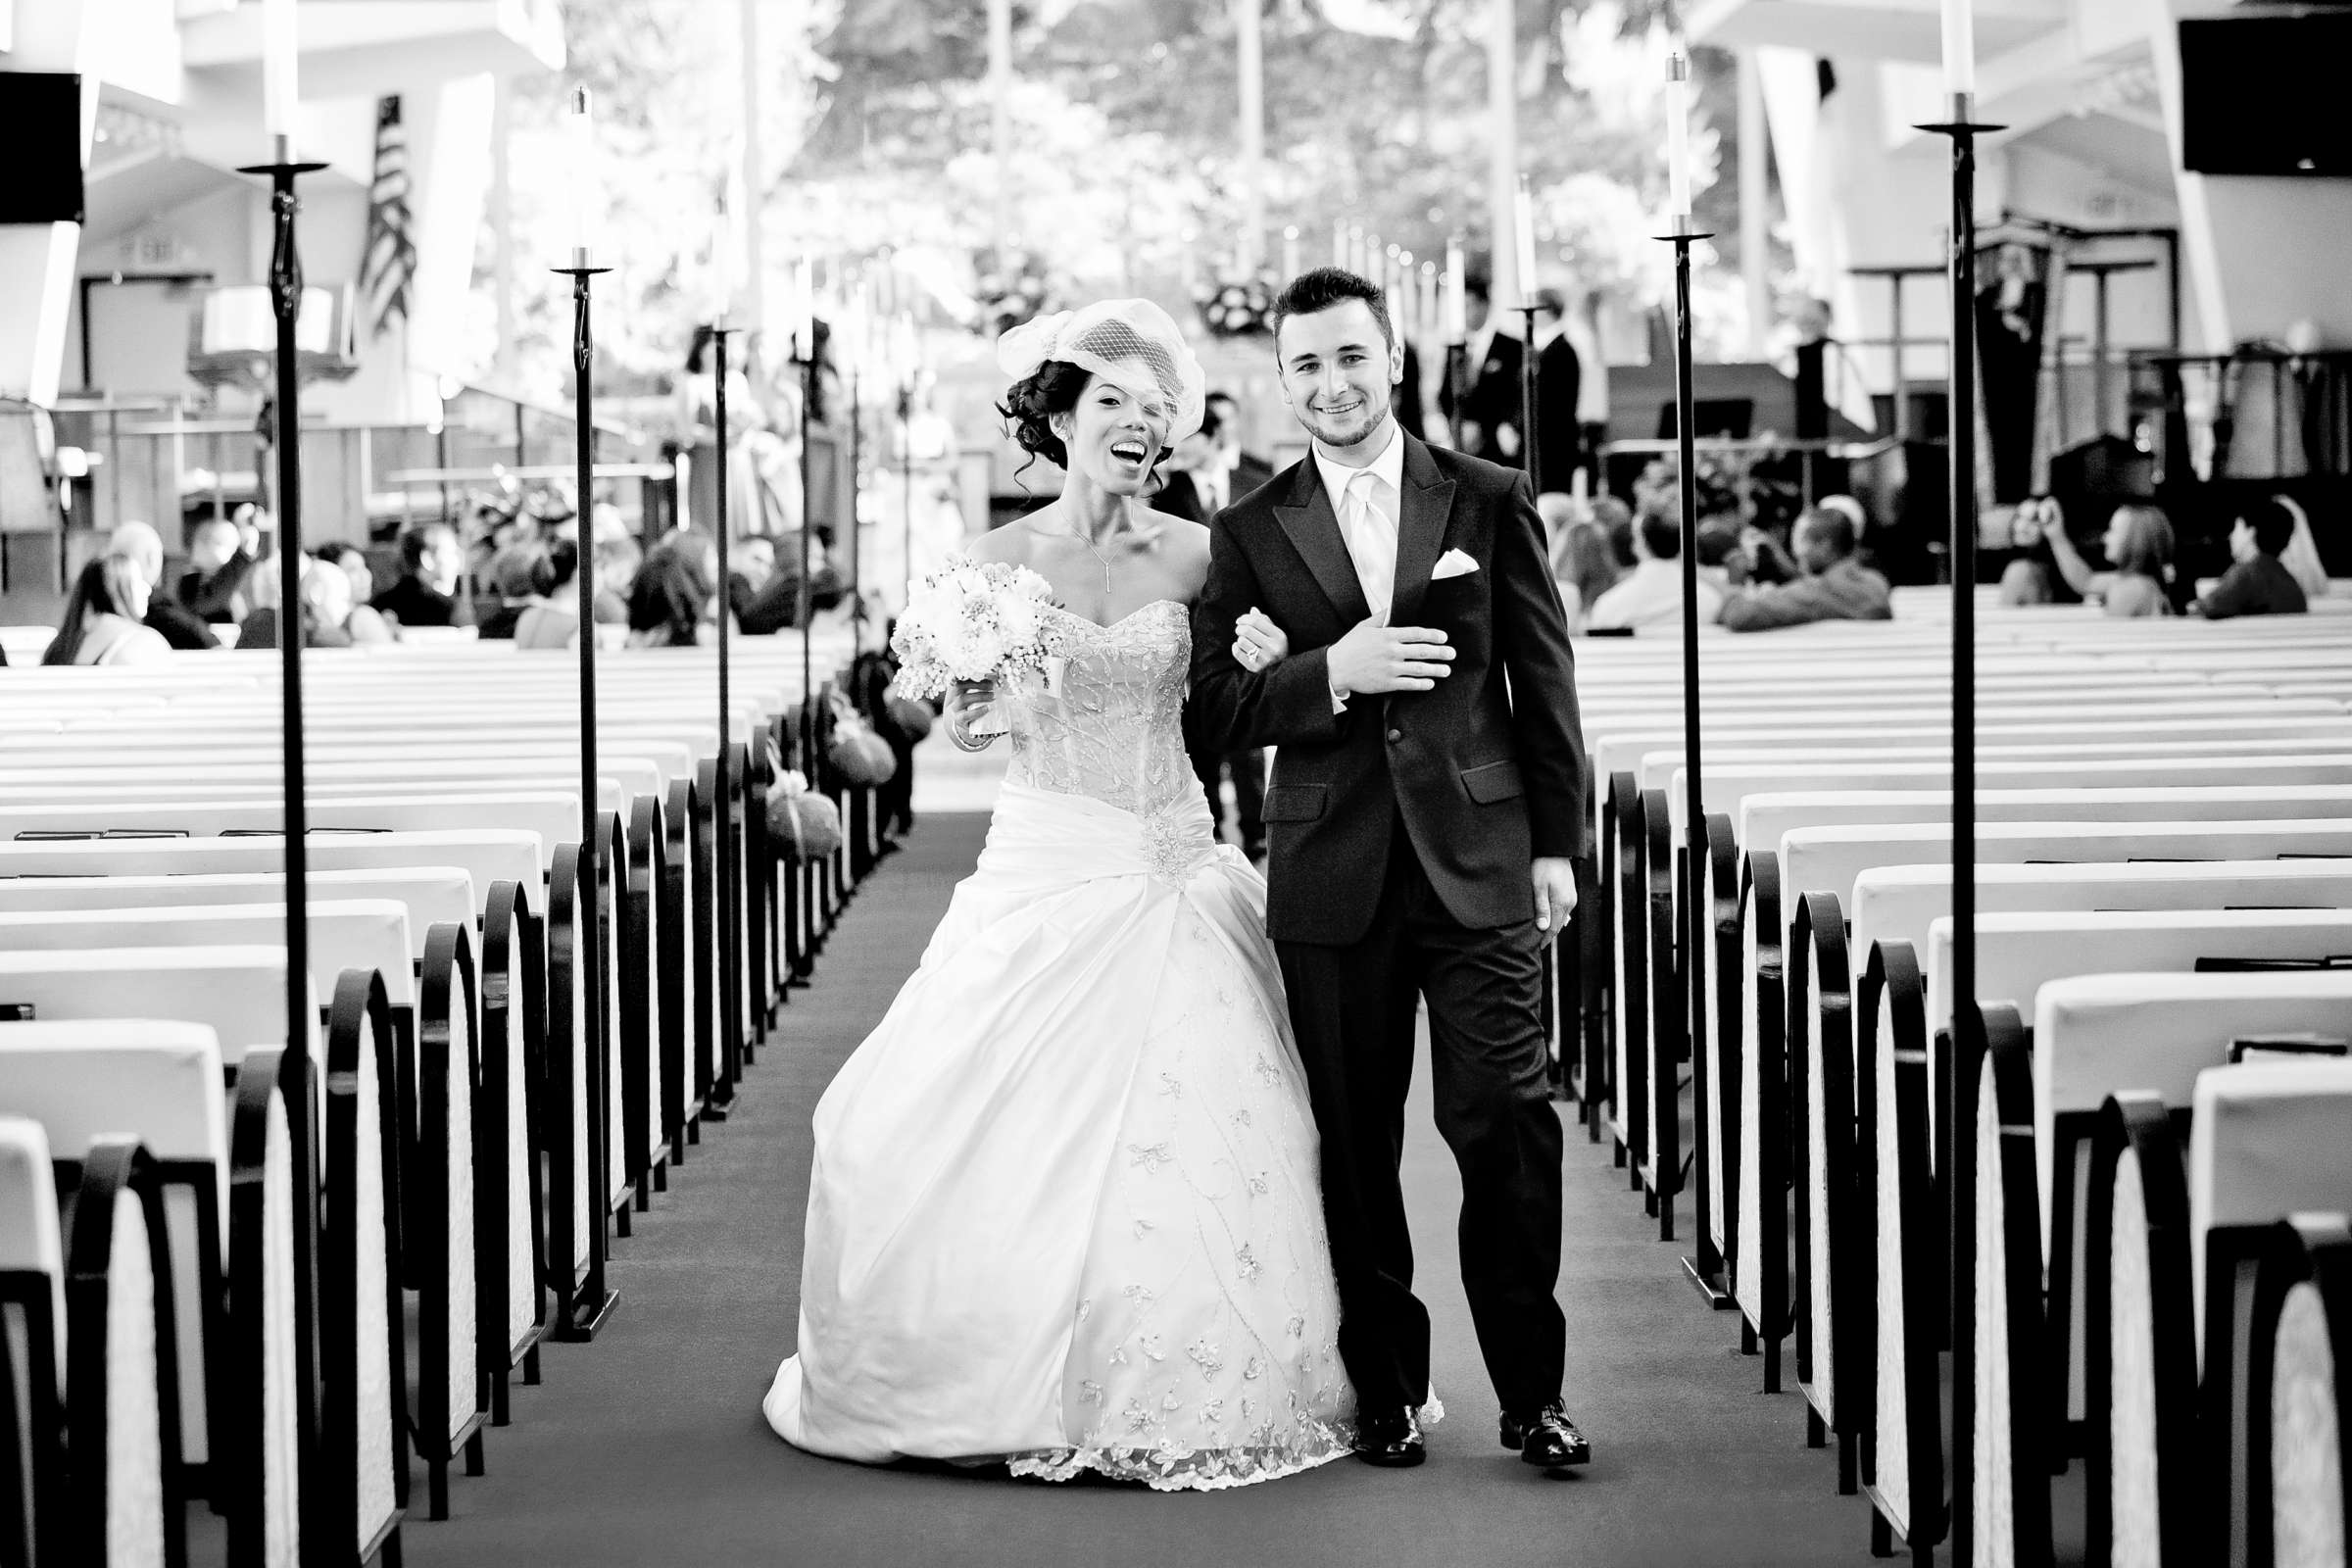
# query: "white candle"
[[1677, 134], [1290, 253], [1523, 220], [1338, 244], [279, 78], [579, 130], [1959, 47], [1428, 312], [1457, 295]]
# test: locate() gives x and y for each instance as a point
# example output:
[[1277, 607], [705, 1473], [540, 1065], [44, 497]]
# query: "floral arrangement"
[[1009, 288], [974, 621], [1235, 306]]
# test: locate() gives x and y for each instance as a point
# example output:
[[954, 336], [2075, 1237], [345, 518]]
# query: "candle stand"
[[582, 1312]]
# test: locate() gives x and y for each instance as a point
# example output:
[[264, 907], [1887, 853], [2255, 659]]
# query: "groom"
[[1426, 802]]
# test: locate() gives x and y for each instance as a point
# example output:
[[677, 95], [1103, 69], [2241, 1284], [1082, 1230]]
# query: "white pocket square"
[[1452, 563]]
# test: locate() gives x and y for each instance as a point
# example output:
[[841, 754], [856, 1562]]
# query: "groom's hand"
[[1555, 891], [1374, 658]]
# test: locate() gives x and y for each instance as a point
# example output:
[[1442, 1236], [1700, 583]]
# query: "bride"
[[1064, 1212]]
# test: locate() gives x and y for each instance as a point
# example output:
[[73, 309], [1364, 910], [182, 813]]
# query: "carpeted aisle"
[[648, 1447]]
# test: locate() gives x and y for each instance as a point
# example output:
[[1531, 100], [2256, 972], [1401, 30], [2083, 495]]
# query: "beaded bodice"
[[1106, 719]]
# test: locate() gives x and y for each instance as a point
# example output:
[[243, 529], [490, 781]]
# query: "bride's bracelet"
[[962, 740]]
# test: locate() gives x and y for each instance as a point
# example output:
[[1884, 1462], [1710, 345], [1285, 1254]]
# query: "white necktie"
[[1369, 522]]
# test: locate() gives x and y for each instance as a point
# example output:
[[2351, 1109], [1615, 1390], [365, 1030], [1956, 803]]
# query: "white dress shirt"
[[1367, 502]]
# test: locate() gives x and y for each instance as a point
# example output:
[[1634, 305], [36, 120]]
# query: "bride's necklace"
[[1092, 549]]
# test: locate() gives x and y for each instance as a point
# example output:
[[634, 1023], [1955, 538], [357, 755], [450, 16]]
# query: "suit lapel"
[[1313, 530], [1424, 505]]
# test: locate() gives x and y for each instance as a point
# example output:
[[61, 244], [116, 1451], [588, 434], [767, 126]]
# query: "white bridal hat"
[[1133, 344]]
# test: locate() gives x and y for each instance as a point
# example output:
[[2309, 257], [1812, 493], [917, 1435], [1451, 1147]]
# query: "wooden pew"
[[2032, 1094]]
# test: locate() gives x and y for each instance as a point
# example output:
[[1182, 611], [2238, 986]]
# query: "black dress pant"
[[1352, 1009], [1248, 770]]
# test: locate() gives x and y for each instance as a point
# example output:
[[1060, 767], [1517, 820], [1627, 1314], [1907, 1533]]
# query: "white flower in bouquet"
[[974, 621]]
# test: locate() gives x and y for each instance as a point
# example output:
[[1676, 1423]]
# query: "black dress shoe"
[[1546, 1437], [1388, 1439]]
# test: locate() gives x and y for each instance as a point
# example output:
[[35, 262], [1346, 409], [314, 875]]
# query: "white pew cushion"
[[2266, 1140]]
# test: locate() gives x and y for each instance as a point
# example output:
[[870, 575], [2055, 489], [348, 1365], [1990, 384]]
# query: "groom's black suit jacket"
[[1485, 772]]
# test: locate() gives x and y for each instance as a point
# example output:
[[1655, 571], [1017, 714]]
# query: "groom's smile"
[[1338, 367]]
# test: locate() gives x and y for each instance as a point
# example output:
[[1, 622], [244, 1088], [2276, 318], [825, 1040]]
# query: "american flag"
[[391, 257]]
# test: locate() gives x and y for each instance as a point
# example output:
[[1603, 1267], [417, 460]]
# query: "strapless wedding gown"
[[1065, 1210]]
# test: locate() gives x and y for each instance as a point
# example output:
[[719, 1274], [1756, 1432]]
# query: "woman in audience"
[[102, 624], [2138, 541], [515, 574], [364, 623], [325, 606], [675, 601], [1585, 567], [552, 620]]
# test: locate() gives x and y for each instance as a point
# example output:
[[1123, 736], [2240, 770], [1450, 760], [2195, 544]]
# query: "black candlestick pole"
[[725, 786], [1706, 1267], [285, 301], [594, 1301], [906, 485], [302, 1020], [1548, 1003], [1967, 1040]]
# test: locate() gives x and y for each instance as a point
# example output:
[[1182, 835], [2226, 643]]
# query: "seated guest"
[[778, 605], [1193, 478], [514, 571], [144, 548], [1721, 562], [1651, 593], [750, 564], [2259, 584], [364, 623], [1583, 567], [675, 603], [553, 618], [104, 618], [618, 560], [325, 606], [432, 560], [212, 588], [2301, 557], [2138, 541], [1834, 586]]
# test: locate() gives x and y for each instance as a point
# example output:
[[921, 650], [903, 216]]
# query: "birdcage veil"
[[1133, 344]]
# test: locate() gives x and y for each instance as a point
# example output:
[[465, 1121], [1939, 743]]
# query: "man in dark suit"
[[432, 562], [1560, 379], [1244, 471], [1490, 396], [1427, 802], [212, 588]]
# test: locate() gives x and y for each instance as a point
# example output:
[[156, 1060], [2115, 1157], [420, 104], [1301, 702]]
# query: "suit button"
[[1395, 735]]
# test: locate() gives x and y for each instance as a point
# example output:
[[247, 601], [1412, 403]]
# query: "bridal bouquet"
[[974, 621]]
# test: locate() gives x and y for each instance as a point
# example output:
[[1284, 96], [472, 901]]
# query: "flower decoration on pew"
[[975, 620], [1237, 306]]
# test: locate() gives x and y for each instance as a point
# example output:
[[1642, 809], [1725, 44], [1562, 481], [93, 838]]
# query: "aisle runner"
[[648, 1447]]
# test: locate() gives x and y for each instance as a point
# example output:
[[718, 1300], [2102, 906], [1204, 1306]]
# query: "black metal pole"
[[724, 785], [1967, 1038], [595, 1300], [856, 475], [1547, 1002], [1706, 1268], [907, 483], [301, 1019]]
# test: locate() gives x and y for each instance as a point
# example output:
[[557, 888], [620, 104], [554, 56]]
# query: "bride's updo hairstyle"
[[1133, 344], [1031, 403]]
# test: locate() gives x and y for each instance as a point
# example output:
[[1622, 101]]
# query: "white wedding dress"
[[1064, 1211]]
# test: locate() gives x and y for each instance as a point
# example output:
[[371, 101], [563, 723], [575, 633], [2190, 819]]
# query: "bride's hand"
[[1258, 643], [971, 715]]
